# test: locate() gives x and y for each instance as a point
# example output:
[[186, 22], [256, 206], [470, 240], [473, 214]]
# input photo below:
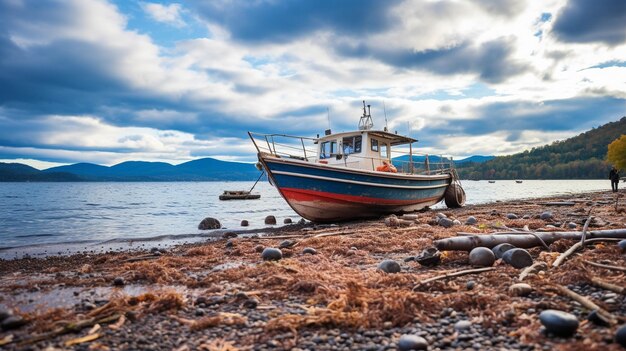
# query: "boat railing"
[[295, 147], [283, 145]]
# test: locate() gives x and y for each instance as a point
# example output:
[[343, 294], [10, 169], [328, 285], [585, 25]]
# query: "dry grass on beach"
[[228, 298]]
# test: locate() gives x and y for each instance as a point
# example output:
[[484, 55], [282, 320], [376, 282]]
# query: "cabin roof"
[[394, 139]]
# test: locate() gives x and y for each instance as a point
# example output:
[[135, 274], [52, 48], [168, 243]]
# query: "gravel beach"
[[324, 288]]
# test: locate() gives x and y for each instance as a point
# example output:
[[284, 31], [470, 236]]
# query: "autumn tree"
[[617, 152]]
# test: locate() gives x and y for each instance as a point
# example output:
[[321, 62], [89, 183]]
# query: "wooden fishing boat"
[[345, 176], [492, 181], [239, 195], [518, 181]]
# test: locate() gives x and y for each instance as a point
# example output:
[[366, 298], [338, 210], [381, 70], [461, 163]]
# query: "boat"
[[492, 181], [351, 175], [518, 181], [239, 195]]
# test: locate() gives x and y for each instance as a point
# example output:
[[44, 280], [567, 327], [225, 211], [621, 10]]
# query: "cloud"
[[491, 61], [281, 21], [587, 21], [168, 14]]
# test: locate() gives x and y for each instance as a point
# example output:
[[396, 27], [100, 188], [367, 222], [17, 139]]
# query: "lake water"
[[46, 217]]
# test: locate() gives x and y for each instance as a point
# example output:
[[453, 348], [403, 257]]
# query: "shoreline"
[[219, 293]]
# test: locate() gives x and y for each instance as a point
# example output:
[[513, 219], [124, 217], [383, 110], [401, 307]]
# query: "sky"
[[109, 81]]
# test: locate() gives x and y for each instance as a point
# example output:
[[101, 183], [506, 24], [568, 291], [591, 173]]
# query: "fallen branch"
[[558, 203], [141, 258], [68, 328], [608, 286], [606, 266], [333, 234], [585, 227], [587, 303], [575, 247], [534, 268], [454, 274], [522, 240]]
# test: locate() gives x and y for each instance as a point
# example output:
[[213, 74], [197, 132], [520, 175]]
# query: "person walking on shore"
[[614, 177]]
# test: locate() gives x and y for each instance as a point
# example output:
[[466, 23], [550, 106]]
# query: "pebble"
[[251, 303], [462, 325], [445, 222], [309, 251], [270, 220], [526, 217], [119, 281], [471, 220], [500, 249], [389, 266], [596, 319], [12, 322], [245, 223], [441, 215], [409, 342], [429, 257], [209, 223], [620, 336], [558, 322], [520, 289], [259, 248], [286, 243], [546, 215], [287, 221], [572, 225], [229, 244], [302, 221], [456, 222], [229, 235], [271, 254], [511, 216], [622, 245], [482, 257], [470, 285], [518, 258]]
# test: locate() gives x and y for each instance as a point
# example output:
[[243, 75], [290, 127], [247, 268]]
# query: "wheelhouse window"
[[374, 145], [328, 149], [352, 145], [384, 150]]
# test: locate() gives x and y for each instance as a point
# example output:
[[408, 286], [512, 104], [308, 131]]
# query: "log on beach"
[[521, 240]]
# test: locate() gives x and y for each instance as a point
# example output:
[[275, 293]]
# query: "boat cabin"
[[365, 149]]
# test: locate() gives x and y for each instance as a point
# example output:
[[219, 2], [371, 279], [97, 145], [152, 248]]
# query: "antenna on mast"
[[365, 123], [385, 110], [328, 131]]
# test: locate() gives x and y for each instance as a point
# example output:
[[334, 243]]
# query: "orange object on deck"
[[387, 167]]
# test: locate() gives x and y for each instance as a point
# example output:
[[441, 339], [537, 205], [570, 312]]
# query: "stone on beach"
[[119, 281], [429, 257], [309, 251], [286, 243], [5, 313], [271, 254], [558, 322], [389, 266], [245, 223], [622, 245], [620, 336], [287, 221], [520, 289], [445, 222], [270, 220], [546, 215], [209, 223], [259, 248], [572, 225], [409, 342], [518, 258], [462, 325], [511, 216], [471, 220], [482, 257], [500, 249], [12, 322]]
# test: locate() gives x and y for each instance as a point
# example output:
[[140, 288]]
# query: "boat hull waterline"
[[322, 193]]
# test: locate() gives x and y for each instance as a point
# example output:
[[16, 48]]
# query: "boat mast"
[[365, 123]]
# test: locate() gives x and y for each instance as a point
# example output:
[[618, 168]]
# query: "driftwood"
[[606, 266], [69, 328], [575, 247], [454, 274], [521, 240], [534, 268], [608, 286], [334, 234], [586, 303]]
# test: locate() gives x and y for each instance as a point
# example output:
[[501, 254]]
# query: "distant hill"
[[17, 172], [206, 169], [579, 157]]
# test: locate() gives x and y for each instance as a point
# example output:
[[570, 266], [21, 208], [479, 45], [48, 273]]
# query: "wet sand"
[[221, 295]]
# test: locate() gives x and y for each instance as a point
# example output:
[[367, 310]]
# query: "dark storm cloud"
[[581, 113], [585, 21], [281, 21], [491, 61]]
